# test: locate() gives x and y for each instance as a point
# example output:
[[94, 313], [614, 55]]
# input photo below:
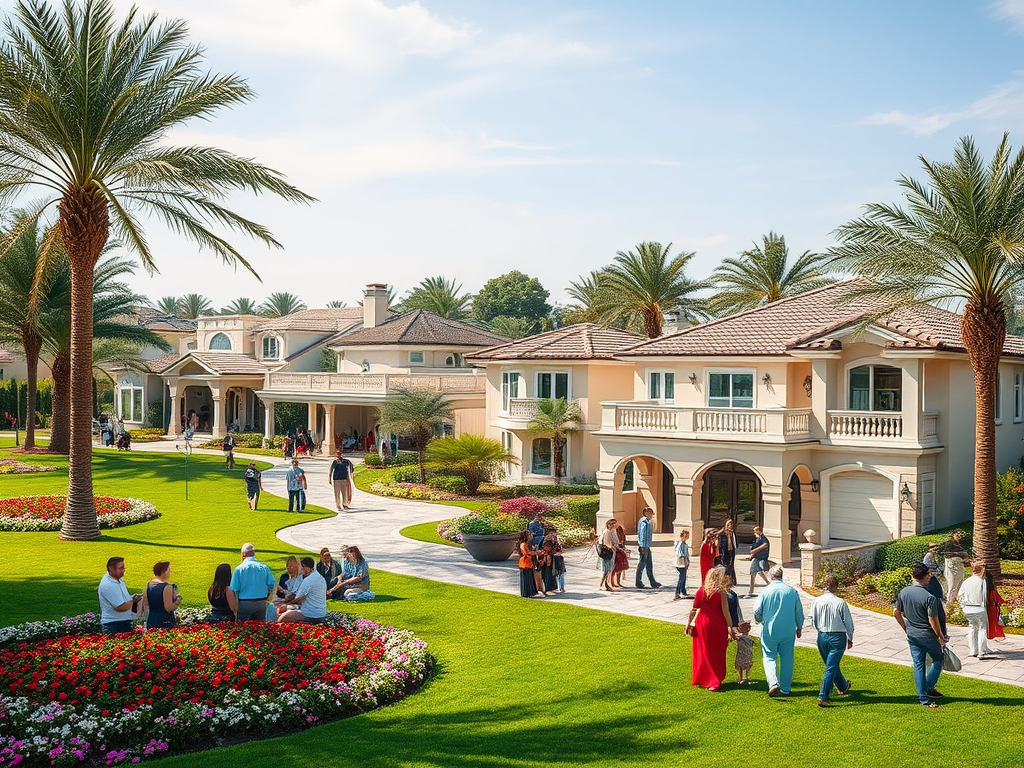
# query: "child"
[[744, 652], [682, 563]]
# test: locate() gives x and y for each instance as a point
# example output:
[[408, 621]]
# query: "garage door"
[[861, 507]]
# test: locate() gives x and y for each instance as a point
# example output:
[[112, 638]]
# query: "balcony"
[[523, 409], [650, 418], [379, 384], [880, 427]]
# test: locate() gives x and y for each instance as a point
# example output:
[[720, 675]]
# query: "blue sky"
[[468, 138]]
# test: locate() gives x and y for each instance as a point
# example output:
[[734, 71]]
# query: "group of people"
[[300, 442], [249, 592], [339, 476], [541, 560], [614, 556]]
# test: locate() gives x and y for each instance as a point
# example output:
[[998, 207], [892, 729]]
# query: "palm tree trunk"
[[421, 446], [652, 323], [984, 331], [31, 343], [84, 226], [60, 419], [556, 457]]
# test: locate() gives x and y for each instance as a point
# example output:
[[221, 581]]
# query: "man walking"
[[229, 450], [780, 612], [917, 611], [340, 478], [118, 609], [251, 585], [758, 558], [644, 539], [972, 599], [253, 485], [831, 618], [296, 487]]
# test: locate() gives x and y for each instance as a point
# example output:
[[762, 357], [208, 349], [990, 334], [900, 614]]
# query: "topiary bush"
[[583, 510], [515, 491], [891, 582], [905, 552]]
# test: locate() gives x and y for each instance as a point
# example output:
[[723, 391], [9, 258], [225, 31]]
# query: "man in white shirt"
[[118, 608], [972, 598], [832, 620], [311, 597]]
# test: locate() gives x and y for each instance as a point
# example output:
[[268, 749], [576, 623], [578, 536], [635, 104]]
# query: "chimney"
[[375, 304], [669, 322]]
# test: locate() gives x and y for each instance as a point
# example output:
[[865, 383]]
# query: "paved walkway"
[[374, 526]]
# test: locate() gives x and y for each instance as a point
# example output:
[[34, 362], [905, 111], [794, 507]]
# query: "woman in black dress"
[[727, 549], [220, 609], [160, 598]]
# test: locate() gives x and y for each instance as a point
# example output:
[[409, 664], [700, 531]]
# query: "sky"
[[468, 139]]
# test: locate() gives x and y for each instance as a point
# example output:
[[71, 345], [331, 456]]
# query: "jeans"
[[681, 584], [777, 657], [295, 501], [832, 646], [302, 500], [645, 561], [116, 627], [920, 649], [561, 582], [251, 610]]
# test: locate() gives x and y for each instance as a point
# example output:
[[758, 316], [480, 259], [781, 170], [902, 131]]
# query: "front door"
[[732, 492], [668, 500]]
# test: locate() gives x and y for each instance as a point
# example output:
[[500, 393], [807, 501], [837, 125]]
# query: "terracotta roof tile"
[[158, 364], [158, 321], [419, 327], [325, 320], [224, 363], [582, 341]]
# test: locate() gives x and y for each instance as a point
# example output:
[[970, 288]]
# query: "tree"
[[513, 327], [86, 106], [587, 299], [240, 306], [759, 276], [328, 360], [556, 419], [418, 414], [280, 304], [960, 239], [169, 305], [440, 296], [194, 305], [642, 286], [336, 304], [512, 294], [477, 458]]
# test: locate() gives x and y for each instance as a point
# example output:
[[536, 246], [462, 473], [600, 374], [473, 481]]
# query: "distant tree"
[[556, 419], [328, 362], [240, 306], [438, 295], [514, 327], [586, 295], [477, 458], [420, 414], [336, 304], [280, 304], [759, 276], [513, 295], [193, 305], [169, 305]]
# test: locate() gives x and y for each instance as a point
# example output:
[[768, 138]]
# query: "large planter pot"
[[491, 548]]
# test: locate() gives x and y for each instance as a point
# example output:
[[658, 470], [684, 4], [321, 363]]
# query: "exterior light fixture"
[[767, 380], [807, 385], [693, 379], [815, 486], [905, 493]]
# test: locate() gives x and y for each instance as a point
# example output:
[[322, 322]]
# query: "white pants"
[[954, 573], [342, 493], [977, 632]]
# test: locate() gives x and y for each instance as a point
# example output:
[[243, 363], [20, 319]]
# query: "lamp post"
[[185, 449]]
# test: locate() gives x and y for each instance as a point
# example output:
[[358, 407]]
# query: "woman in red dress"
[[621, 558], [711, 631], [708, 552], [995, 600]]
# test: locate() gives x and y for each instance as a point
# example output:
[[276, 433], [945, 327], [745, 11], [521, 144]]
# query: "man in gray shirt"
[[831, 618], [917, 611]]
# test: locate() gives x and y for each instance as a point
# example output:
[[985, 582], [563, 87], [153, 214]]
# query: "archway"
[[644, 481], [731, 491]]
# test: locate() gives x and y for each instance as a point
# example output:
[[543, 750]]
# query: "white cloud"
[[1011, 11]]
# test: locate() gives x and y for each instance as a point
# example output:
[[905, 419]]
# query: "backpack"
[[251, 475], [229, 443]]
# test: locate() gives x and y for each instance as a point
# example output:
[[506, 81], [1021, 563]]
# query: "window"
[[541, 462], [220, 341], [876, 388], [553, 385], [661, 385], [453, 360], [509, 389], [1018, 403], [131, 403], [926, 499], [628, 475], [999, 398], [416, 358], [190, 345], [506, 445], [731, 390], [270, 347]]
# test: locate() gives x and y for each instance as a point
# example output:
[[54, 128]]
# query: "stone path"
[[374, 526]]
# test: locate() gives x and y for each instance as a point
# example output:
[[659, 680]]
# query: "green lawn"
[[519, 683], [426, 532]]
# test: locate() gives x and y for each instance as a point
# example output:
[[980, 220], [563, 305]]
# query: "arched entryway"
[[644, 481], [732, 491]]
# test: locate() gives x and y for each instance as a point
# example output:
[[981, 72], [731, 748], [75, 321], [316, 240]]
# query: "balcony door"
[[732, 492]]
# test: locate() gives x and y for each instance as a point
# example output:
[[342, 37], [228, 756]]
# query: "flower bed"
[[71, 695], [15, 467], [46, 513]]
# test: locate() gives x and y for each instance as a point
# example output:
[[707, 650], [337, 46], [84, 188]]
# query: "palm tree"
[[194, 305], [419, 414], [642, 286], [556, 419], [513, 327], [589, 299], [759, 276], [479, 459], [169, 305], [280, 304], [86, 105], [959, 241], [240, 306], [440, 296], [336, 304]]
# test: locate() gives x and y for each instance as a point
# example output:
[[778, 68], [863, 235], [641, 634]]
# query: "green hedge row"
[[583, 510], [402, 459], [540, 491], [903, 553]]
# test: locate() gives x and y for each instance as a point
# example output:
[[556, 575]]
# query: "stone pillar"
[[819, 403], [174, 428], [328, 435], [609, 490], [217, 428], [810, 563], [776, 522], [268, 427], [311, 417], [688, 510], [912, 393]]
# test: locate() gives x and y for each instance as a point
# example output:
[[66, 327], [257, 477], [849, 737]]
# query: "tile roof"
[[582, 341], [6, 356], [155, 320], [326, 320], [420, 327], [158, 364], [224, 363]]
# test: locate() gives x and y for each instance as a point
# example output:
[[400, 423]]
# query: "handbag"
[[605, 552], [950, 661]]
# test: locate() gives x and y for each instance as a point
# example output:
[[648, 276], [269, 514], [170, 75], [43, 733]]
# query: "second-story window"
[[661, 385], [271, 349], [509, 388], [220, 342], [416, 358], [553, 385], [876, 388], [1018, 398], [731, 390]]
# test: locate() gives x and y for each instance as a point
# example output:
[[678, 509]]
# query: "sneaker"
[[849, 685], [641, 586], [982, 656], [774, 691], [657, 585], [930, 704], [678, 597], [823, 703], [933, 694]]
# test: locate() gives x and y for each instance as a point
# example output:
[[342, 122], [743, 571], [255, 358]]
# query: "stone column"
[[328, 428], [688, 510], [268, 427], [310, 417], [776, 522], [810, 563], [174, 428], [912, 392], [609, 486], [217, 428]]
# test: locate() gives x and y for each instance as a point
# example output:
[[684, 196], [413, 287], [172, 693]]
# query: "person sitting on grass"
[[217, 594], [355, 579], [331, 570], [310, 599]]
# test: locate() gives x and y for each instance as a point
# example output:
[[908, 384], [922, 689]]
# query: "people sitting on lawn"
[[217, 594], [355, 580], [118, 608], [287, 586], [161, 599], [330, 569], [309, 601]]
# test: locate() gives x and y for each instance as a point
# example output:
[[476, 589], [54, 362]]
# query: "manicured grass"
[[364, 477], [519, 683], [427, 532]]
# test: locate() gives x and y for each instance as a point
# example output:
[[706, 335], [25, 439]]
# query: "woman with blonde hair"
[[711, 631]]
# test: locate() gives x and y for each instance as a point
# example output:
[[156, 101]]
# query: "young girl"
[[744, 652], [682, 563]]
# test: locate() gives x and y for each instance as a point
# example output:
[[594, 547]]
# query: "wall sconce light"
[[807, 385], [766, 380], [815, 486], [365, 367], [905, 493], [693, 379]]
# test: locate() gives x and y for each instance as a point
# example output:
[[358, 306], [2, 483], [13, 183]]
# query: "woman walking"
[[160, 598], [621, 558], [727, 549], [607, 546], [973, 599], [527, 583], [708, 552], [710, 625], [995, 601]]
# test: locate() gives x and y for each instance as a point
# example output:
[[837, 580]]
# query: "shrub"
[[373, 460], [145, 435], [526, 506], [404, 458], [407, 492], [155, 415], [451, 483], [866, 584], [583, 510], [1010, 513], [477, 458], [570, 532], [405, 475], [488, 525], [891, 582], [249, 440], [905, 552], [515, 491], [844, 570]]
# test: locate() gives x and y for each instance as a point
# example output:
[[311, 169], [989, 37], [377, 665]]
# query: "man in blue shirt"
[[251, 585], [644, 539], [782, 616], [917, 611]]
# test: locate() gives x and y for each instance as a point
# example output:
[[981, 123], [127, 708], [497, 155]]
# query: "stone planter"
[[491, 548]]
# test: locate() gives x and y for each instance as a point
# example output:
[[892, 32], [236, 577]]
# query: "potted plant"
[[489, 538]]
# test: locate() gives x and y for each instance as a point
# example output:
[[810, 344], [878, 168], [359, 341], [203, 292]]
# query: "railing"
[[375, 383], [524, 408], [866, 425], [649, 417], [735, 421]]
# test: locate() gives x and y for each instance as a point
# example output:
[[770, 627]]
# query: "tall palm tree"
[[336, 304], [240, 306], [760, 276], [280, 304], [86, 105], [169, 305], [644, 284], [441, 296], [194, 305], [960, 240], [419, 414], [588, 298], [556, 419]]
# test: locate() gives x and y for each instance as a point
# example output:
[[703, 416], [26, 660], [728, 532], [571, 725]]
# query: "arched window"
[[271, 349], [220, 341]]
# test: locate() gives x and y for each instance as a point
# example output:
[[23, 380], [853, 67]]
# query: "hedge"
[[515, 491], [583, 510], [892, 582], [903, 553], [451, 483], [402, 459]]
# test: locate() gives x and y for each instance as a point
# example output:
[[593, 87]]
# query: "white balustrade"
[[798, 422], [866, 425], [734, 421], [647, 419], [374, 383]]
